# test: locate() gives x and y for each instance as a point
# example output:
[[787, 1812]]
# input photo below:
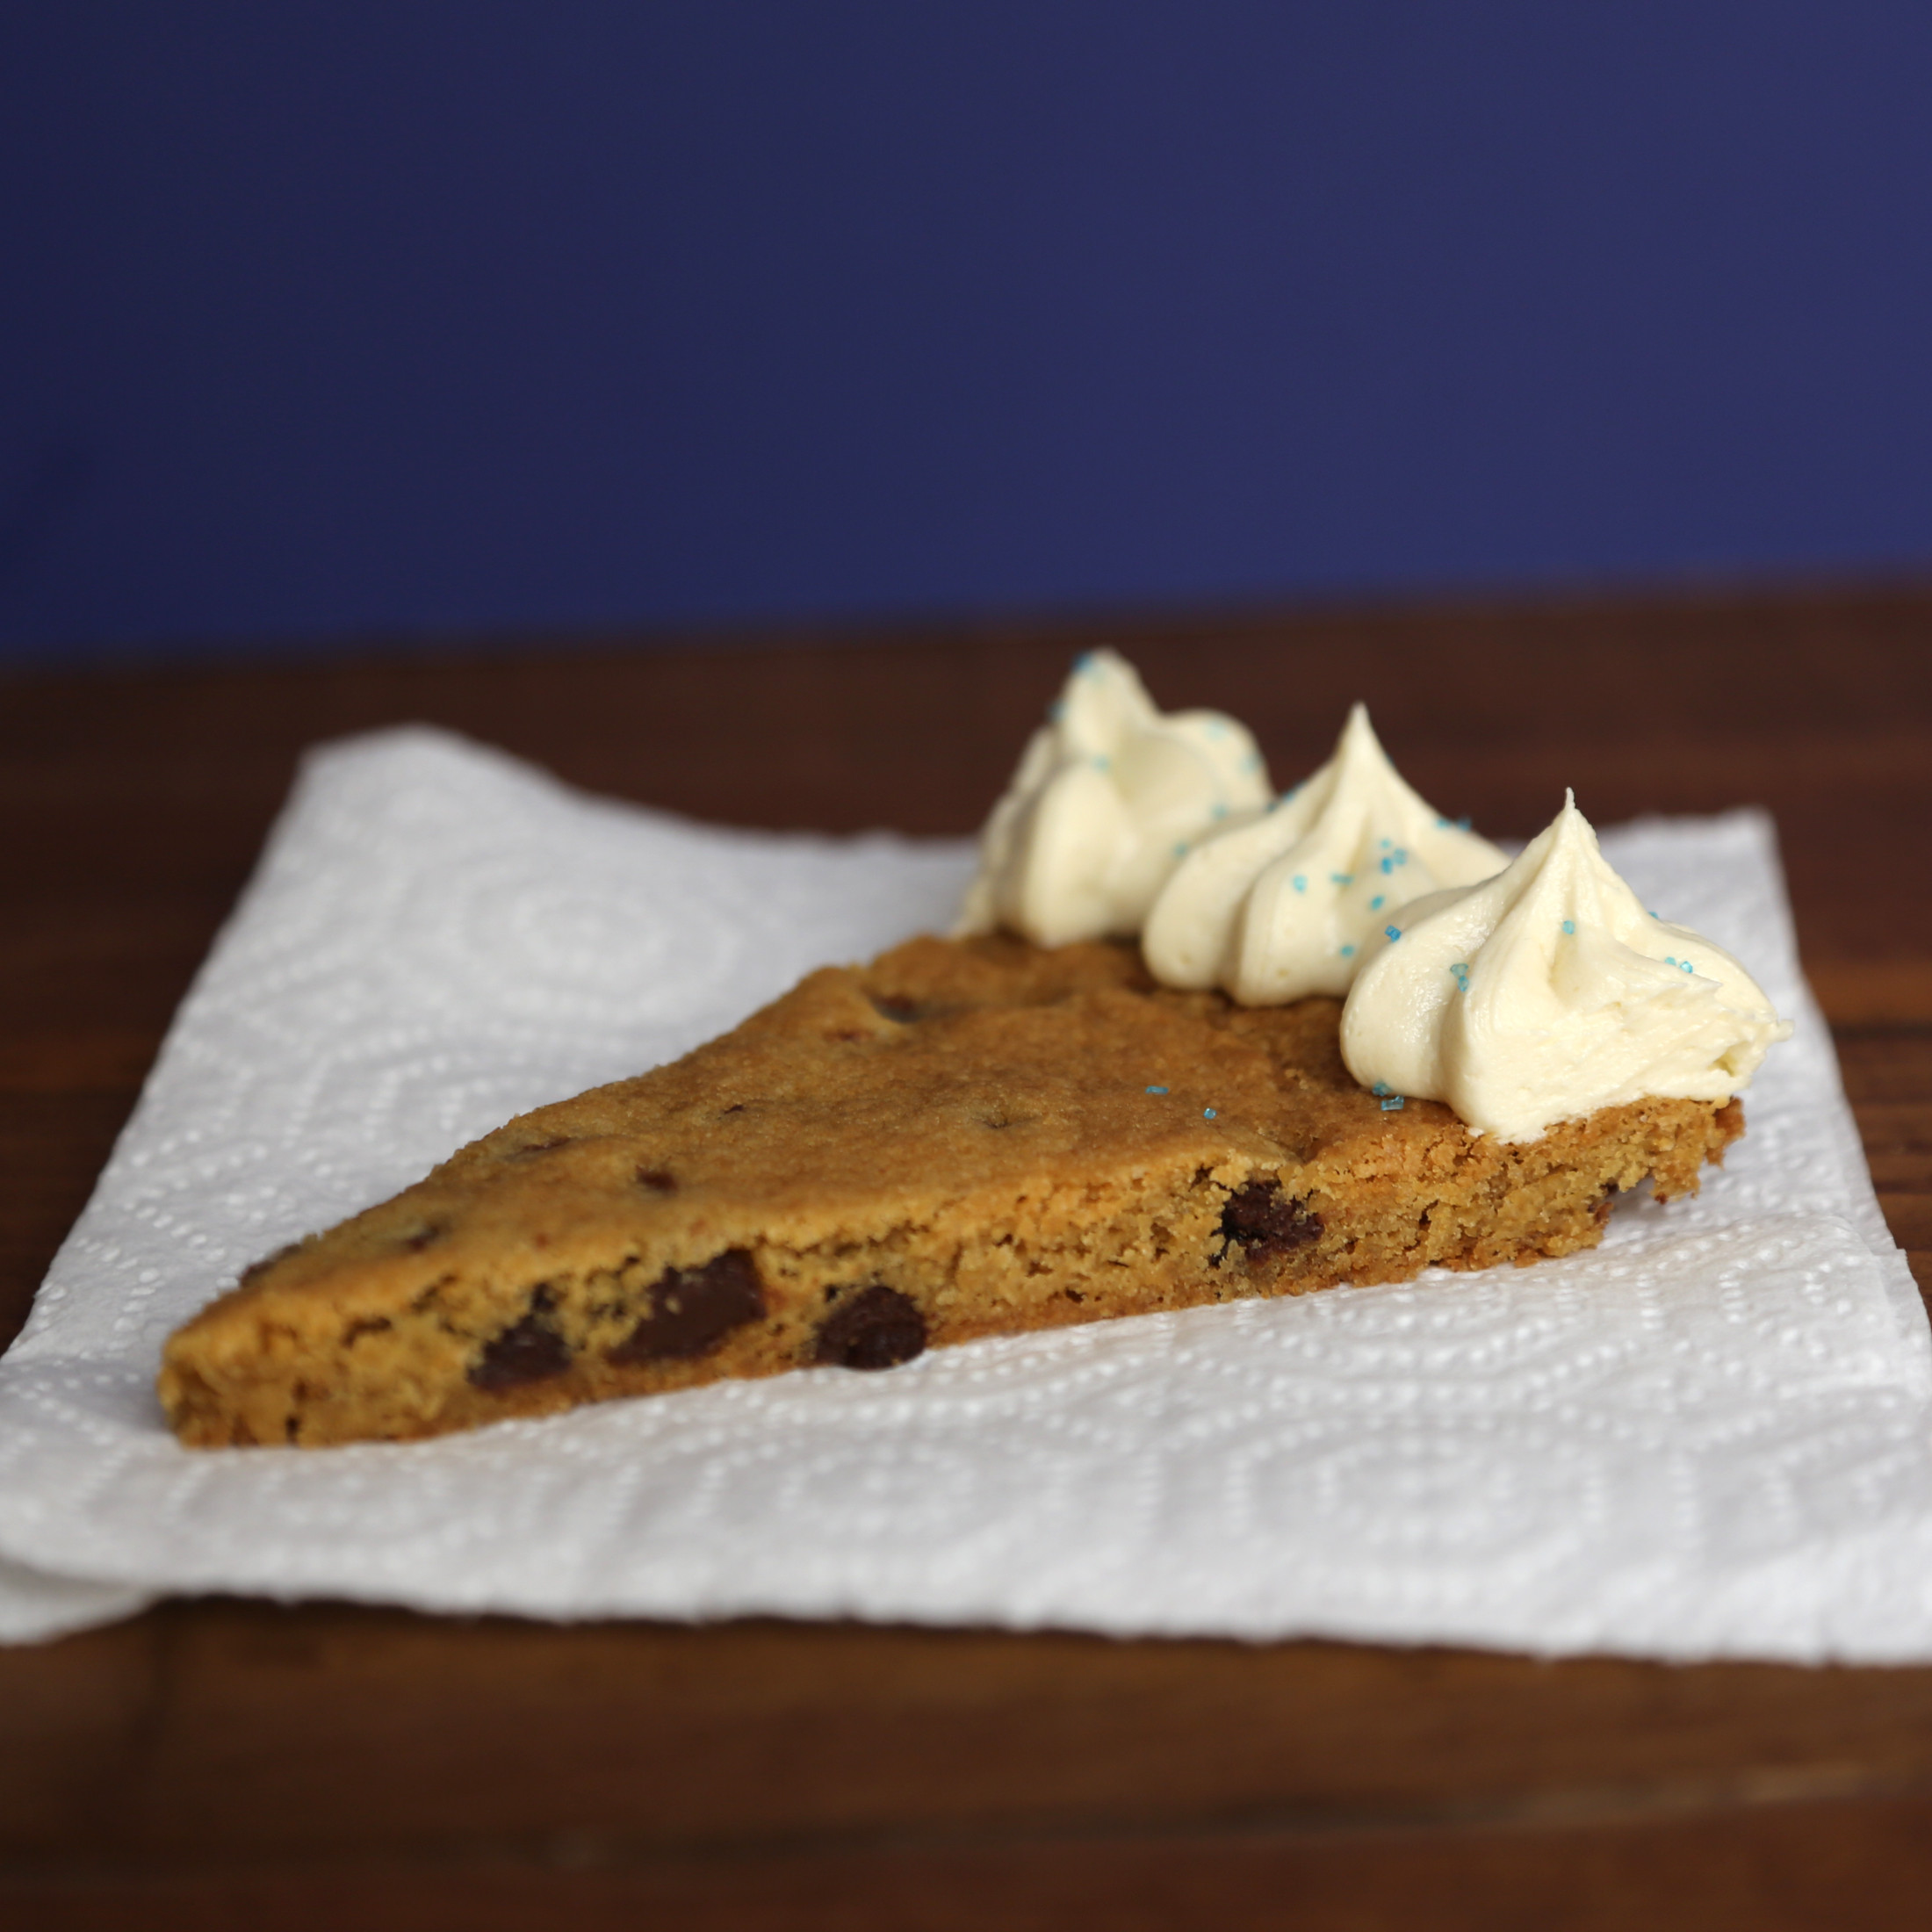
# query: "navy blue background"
[[320, 320]]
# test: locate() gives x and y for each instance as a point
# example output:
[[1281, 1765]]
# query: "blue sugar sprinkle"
[[1348, 952], [1393, 1103], [1251, 761], [1217, 729], [1156, 1090], [1057, 709], [1386, 843], [1220, 812], [1375, 904], [1668, 960], [1101, 762], [1569, 926], [1462, 823], [1685, 965], [1461, 972], [1085, 662], [1341, 878], [1380, 1086], [1207, 1113], [1388, 865], [1300, 885], [1393, 931], [1181, 851]]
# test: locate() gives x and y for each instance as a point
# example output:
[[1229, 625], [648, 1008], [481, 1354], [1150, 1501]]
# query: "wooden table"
[[228, 1764]]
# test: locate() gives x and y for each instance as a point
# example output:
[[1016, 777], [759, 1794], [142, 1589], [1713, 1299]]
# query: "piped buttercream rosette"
[[1283, 902], [1548, 992], [1110, 793]]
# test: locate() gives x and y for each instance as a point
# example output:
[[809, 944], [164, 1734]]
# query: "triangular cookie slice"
[[963, 1139]]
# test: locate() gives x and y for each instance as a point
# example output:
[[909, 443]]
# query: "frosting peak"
[[1109, 792], [1548, 992], [1284, 904]]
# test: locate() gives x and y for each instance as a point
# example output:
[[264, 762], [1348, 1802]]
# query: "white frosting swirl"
[[1282, 904], [1549, 991], [1109, 795]]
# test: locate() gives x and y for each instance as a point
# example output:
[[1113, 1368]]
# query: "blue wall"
[[326, 318]]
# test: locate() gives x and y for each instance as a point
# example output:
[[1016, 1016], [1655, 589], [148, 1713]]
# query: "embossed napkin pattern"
[[1712, 1436]]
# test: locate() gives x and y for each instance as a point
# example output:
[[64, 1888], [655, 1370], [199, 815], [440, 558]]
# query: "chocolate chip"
[[255, 1270], [528, 1351], [901, 1012], [693, 1310], [1267, 1222], [656, 1180], [877, 1328]]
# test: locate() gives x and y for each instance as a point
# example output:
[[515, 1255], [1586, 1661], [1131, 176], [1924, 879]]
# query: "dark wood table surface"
[[217, 1763]]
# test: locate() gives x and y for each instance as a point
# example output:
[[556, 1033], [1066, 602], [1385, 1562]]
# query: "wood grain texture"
[[220, 1763]]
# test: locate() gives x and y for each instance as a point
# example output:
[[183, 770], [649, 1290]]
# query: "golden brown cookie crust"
[[964, 1138]]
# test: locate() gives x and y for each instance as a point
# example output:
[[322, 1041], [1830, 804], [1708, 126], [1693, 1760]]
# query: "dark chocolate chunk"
[[693, 1310], [1267, 1222], [528, 1351], [255, 1270], [877, 1328], [657, 1180]]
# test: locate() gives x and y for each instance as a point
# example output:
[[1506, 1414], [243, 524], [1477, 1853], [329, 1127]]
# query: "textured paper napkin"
[[1711, 1437]]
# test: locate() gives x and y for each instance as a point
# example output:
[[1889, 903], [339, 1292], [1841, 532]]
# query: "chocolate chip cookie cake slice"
[[965, 1138]]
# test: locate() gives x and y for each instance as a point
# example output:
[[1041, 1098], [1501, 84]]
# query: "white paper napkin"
[[1712, 1436]]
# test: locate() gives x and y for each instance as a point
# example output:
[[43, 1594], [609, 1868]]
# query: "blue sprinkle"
[[1668, 960], [1156, 1090], [1684, 964], [1348, 952], [1380, 1086], [1400, 854], [1393, 931], [1057, 709], [1220, 812], [1207, 1113], [1461, 972], [1393, 1103], [1656, 915], [1341, 878], [1101, 762], [1388, 865], [1375, 904], [1217, 729], [1085, 662], [1386, 843], [1300, 885], [1462, 823], [1251, 761], [1181, 851], [1569, 926], [1442, 823]]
